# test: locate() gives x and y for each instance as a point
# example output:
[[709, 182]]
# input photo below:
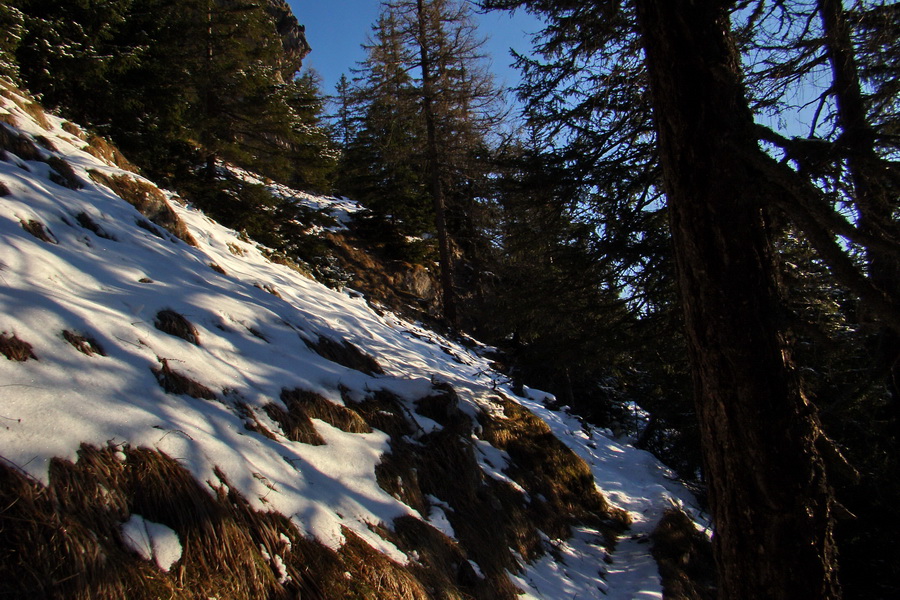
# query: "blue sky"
[[336, 29]]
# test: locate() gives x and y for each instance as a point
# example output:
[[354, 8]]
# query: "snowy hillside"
[[143, 344]]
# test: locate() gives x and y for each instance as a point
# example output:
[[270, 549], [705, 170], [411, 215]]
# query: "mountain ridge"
[[178, 381]]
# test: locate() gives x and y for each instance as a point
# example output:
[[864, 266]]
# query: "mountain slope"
[[180, 416]]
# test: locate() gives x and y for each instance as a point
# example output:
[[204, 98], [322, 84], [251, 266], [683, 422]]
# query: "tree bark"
[[770, 500]]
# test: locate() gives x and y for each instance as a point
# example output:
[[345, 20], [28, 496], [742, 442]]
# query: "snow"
[[153, 541], [251, 346]]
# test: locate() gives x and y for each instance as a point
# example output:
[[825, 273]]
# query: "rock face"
[[293, 35]]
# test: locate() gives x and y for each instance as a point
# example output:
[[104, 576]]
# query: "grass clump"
[[38, 230], [83, 343], [346, 354], [86, 221], [15, 349], [148, 200], [177, 383], [173, 323]]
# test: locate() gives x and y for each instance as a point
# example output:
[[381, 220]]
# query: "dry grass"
[[215, 267], [4, 190], [177, 383], [549, 470], [317, 407], [148, 200], [63, 174], [39, 230], [236, 250], [102, 149], [83, 343], [73, 129], [346, 354], [685, 558], [15, 349], [19, 144], [295, 425], [64, 540], [86, 221], [268, 289], [383, 577], [147, 225], [173, 323]]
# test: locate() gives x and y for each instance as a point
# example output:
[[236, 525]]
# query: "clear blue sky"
[[336, 28]]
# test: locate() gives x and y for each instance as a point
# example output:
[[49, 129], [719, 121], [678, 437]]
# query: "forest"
[[684, 227]]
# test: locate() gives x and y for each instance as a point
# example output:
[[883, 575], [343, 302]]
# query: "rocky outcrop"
[[293, 35]]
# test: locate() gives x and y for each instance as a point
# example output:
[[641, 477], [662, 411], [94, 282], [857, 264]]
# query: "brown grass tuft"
[[215, 267], [268, 288], [64, 540], [63, 174], [15, 349], [236, 250], [382, 410], [384, 577], [83, 343], [38, 230], [174, 382], [685, 558], [45, 143], [317, 407], [173, 323], [73, 129], [346, 354], [102, 149], [4, 190], [548, 469], [86, 221], [19, 144], [295, 425], [148, 200]]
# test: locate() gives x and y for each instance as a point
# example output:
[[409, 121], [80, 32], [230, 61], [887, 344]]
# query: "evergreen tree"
[[428, 107]]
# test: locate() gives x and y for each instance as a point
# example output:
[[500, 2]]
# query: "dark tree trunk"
[[432, 158], [769, 497]]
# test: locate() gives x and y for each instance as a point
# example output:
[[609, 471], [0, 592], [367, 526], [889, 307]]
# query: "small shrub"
[[38, 230], [83, 343], [15, 349], [176, 383], [100, 148], [173, 323]]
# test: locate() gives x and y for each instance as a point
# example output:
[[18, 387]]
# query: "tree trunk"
[[770, 501], [432, 158]]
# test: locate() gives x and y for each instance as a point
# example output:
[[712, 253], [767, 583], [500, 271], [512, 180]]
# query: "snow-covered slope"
[[89, 289]]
